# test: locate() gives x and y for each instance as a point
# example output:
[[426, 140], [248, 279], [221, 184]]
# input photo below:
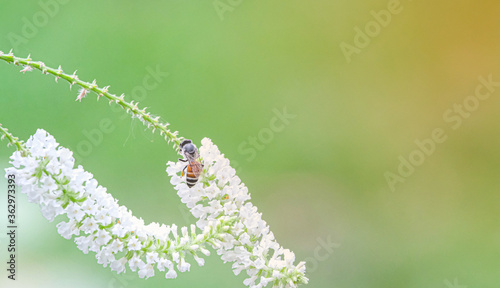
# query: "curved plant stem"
[[14, 141], [132, 108]]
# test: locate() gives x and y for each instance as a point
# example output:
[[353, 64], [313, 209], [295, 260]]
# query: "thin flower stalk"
[[14, 141]]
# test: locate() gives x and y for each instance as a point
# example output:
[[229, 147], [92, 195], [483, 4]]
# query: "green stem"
[[152, 122], [14, 141]]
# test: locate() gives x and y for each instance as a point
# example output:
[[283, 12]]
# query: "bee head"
[[188, 148]]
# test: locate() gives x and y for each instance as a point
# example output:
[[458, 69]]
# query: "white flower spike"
[[48, 177]]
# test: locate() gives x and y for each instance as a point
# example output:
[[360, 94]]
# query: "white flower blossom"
[[105, 256], [68, 229], [171, 274], [74, 211], [146, 271], [183, 266], [152, 257], [135, 262], [102, 237], [116, 246], [83, 243], [118, 265], [89, 225]]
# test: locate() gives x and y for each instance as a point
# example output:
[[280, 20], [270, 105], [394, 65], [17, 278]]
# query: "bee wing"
[[195, 165], [197, 168]]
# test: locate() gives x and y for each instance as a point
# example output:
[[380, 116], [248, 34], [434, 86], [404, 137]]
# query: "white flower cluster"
[[249, 243], [48, 177]]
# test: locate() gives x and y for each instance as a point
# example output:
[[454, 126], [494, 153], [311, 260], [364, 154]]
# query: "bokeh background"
[[321, 178]]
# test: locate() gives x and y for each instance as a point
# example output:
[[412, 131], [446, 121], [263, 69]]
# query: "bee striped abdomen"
[[191, 178]]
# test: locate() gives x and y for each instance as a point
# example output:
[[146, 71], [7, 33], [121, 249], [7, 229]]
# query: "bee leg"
[[182, 172], [183, 160]]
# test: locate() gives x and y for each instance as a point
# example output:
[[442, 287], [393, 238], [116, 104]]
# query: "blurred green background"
[[321, 178]]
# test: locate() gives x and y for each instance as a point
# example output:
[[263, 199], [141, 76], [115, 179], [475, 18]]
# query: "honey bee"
[[194, 167]]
